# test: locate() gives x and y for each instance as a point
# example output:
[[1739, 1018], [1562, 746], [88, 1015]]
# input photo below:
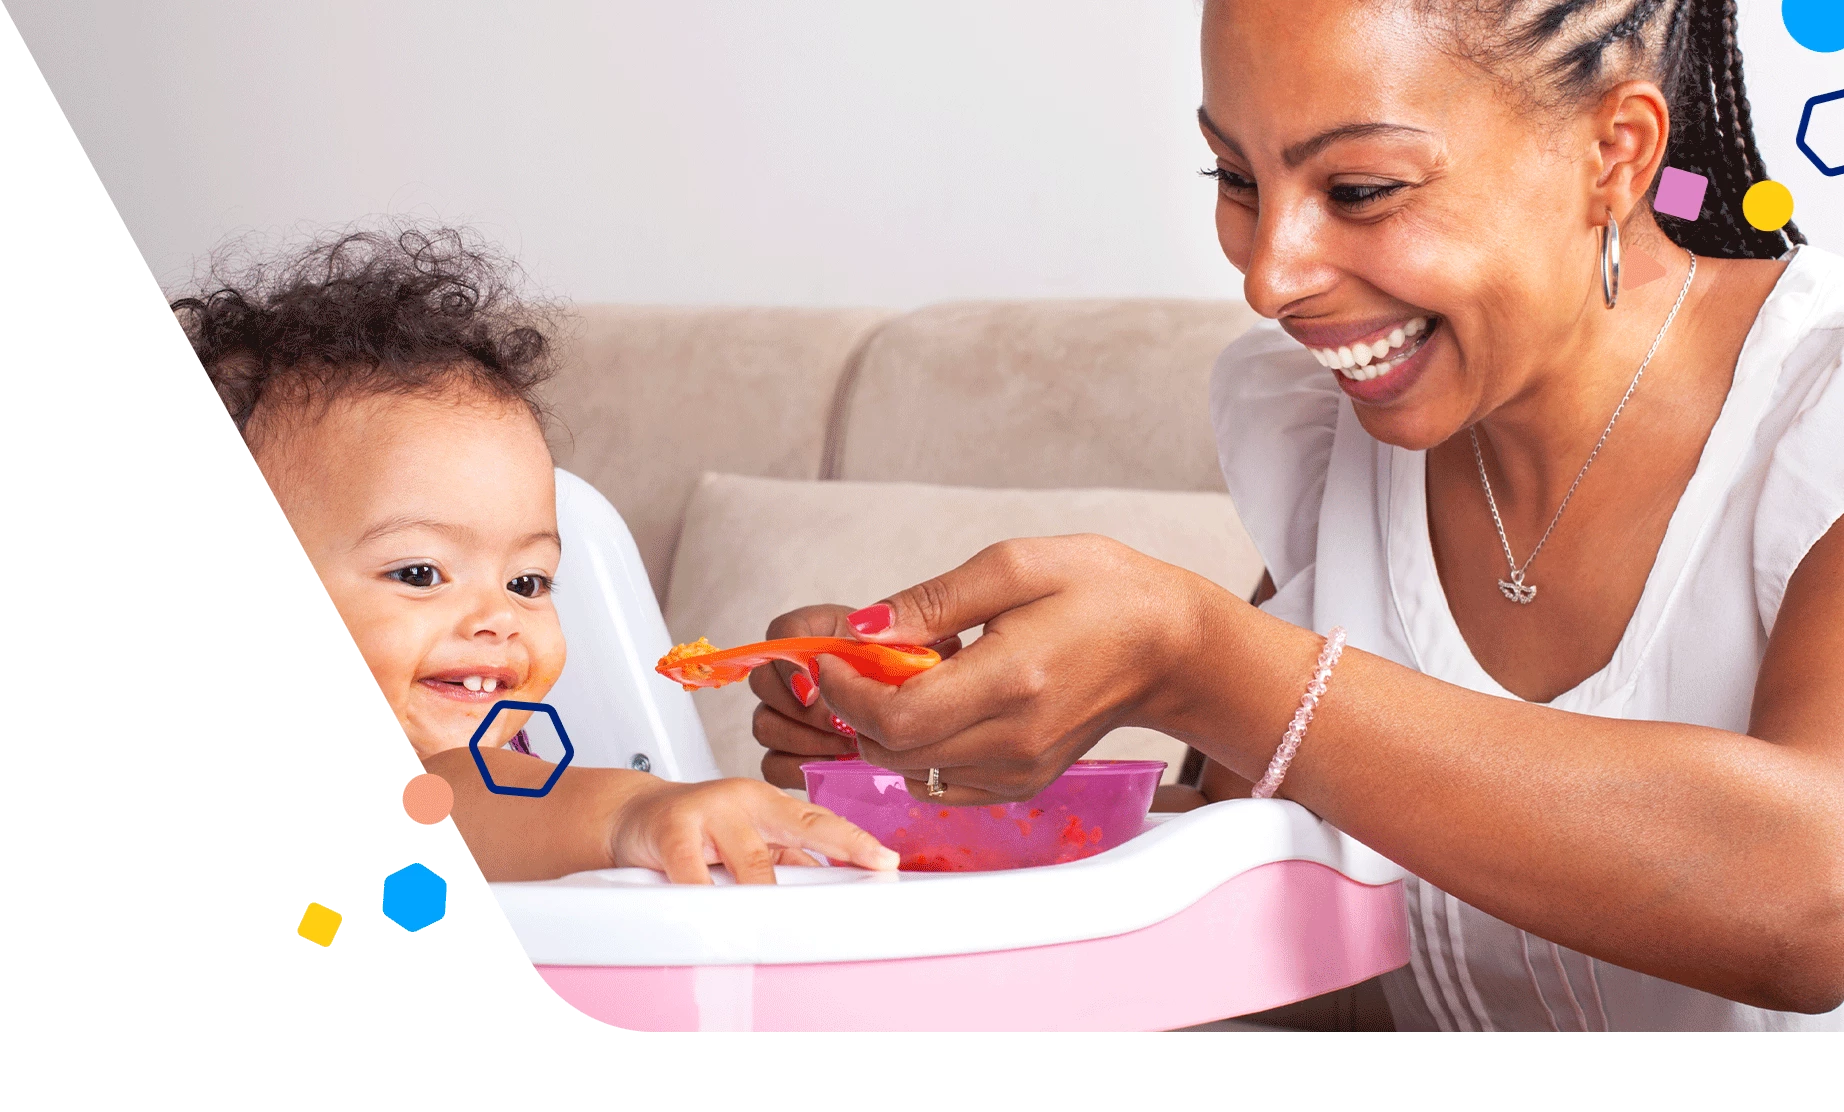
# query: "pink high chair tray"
[[1230, 909]]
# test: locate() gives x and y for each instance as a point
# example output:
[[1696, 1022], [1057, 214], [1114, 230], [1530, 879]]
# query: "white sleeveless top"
[[1342, 522]]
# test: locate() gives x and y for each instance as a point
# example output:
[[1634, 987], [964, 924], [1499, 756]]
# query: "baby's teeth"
[[1414, 327], [472, 683], [1319, 356], [490, 685], [1396, 338], [1364, 354], [1346, 359]]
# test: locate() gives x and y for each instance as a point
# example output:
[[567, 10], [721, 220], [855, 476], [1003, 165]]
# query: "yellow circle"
[[1768, 205]]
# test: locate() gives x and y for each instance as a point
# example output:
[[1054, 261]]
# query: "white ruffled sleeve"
[[1802, 496], [1275, 409]]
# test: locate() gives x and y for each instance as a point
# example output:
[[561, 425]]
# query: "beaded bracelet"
[[1296, 730]]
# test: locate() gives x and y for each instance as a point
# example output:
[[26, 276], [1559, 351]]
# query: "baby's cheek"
[[547, 654]]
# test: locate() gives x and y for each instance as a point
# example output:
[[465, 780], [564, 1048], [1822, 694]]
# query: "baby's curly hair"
[[410, 310]]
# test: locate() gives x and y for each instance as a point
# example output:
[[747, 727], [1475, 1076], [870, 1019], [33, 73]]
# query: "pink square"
[[1680, 193]]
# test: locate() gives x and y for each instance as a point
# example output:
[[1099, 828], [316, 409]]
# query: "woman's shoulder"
[[1806, 305], [1798, 347], [1275, 410]]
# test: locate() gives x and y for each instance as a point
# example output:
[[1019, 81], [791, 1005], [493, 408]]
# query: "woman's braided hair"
[[1582, 47]]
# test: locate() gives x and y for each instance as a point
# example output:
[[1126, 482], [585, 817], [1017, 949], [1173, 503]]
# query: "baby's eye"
[[418, 575], [530, 586]]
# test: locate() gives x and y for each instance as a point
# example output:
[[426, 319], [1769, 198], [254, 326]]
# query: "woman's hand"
[[683, 829], [792, 722], [1082, 634]]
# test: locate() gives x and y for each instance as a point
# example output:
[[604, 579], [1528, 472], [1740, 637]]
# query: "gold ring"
[[935, 790]]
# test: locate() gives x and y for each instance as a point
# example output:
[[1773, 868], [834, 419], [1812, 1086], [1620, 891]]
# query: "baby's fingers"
[[683, 859], [742, 849], [818, 829]]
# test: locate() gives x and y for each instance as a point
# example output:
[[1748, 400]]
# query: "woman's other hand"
[[1082, 634], [792, 722]]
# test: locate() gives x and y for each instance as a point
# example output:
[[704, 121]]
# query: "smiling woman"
[[1621, 795]]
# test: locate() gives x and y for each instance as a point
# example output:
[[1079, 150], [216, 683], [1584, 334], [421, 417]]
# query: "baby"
[[387, 387]]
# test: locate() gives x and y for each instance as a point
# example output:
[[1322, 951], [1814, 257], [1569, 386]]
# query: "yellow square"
[[319, 924]]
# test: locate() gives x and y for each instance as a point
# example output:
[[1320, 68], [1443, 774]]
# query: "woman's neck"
[[1537, 439]]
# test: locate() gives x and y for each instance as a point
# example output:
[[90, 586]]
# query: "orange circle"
[[428, 798]]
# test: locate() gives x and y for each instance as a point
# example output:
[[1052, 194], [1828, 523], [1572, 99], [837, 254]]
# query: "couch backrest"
[[997, 394], [1037, 394], [648, 399]]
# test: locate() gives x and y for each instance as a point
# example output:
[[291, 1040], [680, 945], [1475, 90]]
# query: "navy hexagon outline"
[[473, 746], [1805, 122]]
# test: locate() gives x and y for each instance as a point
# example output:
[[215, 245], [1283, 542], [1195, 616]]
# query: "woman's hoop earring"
[[1610, 260]]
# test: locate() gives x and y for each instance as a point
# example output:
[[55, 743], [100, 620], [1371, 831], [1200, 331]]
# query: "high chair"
[[1227, 910], [615, 706]]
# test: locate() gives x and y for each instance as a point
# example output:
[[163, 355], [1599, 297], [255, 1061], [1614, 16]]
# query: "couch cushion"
[[1038, 394], [754, 548], [650, 398]]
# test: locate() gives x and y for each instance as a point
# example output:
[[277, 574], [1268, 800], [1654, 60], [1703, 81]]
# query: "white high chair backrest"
[[618, 710]]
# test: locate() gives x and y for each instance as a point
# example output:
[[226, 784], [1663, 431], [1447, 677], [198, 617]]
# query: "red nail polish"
[[840, 725], [804, 689], [872, 619]]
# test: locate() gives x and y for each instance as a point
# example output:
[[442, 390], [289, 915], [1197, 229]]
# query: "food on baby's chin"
[[701, 647]]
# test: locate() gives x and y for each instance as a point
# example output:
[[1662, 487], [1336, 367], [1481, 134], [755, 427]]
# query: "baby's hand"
[[682, 829]]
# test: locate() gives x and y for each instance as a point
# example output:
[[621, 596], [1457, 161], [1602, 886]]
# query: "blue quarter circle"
[[1817, 25]]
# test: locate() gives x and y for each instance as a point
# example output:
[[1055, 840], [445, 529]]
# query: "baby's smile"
[[471, 684]]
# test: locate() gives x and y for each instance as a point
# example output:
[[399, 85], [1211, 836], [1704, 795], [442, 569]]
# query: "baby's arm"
[[1218, 784], [598, 818]]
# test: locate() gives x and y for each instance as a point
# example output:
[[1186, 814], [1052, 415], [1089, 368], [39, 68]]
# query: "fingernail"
[[840, 725], [804, 689], [872, 619]]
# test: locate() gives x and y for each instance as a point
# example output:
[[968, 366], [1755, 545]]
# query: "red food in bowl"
[[1094, 806]]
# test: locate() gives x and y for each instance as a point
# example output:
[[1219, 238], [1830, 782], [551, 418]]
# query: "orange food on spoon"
[[702, 664]]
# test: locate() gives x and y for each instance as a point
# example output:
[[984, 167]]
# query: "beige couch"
[[768, 458]]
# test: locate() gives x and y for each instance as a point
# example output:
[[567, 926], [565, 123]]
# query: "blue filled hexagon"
[[414, 897]]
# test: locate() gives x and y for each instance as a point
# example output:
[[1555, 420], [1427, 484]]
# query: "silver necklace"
[[1515, 588]]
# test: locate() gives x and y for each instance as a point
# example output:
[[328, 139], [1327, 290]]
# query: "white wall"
[[799, 151]]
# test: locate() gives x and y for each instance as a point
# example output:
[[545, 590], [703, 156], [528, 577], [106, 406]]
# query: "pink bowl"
[[1094, 806]]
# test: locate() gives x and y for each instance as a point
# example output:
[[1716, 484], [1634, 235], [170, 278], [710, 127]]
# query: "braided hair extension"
[[1689, 47], [1722, 146]]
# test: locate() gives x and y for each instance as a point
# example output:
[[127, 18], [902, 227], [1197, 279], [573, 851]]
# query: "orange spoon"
[[702, 664]]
